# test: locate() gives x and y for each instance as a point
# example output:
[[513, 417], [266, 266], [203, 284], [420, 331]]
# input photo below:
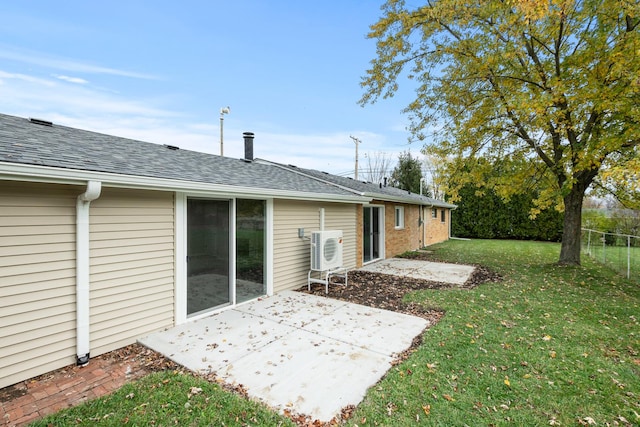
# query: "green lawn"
[[168, 399], [548, 345]]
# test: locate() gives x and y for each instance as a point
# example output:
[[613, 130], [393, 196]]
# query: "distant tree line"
[[487, 216]]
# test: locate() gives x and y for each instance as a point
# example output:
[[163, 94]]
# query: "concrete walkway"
[[418, 269], [308, 354]]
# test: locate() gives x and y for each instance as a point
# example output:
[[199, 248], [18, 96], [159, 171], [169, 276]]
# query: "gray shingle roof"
[[369, 189], [25, 142]]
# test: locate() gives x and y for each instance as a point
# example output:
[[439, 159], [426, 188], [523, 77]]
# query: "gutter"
[[53, 175], [82, 270], [369, 194]]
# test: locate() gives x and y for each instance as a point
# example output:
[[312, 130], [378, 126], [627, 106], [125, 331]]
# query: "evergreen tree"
[[407, 174]]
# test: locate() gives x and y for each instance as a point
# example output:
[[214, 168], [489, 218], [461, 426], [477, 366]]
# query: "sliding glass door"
[[250, 249], [371, 234], [208, 278], [210, 259]]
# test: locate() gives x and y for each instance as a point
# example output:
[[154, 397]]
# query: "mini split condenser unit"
[[326, 250]]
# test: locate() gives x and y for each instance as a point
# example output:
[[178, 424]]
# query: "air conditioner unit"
[[326, 250]]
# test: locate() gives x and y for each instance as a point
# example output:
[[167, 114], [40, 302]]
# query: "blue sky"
[[160, 71]]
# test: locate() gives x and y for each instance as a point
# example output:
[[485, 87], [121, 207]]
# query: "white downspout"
[[82, 270]]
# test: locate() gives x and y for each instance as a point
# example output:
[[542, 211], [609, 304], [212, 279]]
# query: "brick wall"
[[435, 229], [399, 240]]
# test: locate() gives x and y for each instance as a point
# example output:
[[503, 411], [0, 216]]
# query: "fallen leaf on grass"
[[193, 391], [426, 409], [507, 382], [449, 398], [391, 407]]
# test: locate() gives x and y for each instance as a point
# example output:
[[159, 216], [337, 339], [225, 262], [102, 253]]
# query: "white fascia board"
[[47, 174], [387, 198]]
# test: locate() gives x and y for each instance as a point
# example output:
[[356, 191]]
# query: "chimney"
[[248, 145], [385, 181]]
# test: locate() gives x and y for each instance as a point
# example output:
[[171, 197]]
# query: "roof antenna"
[[223, 111]]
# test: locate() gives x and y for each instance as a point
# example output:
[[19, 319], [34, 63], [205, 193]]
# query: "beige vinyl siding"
[[291, 257], [131, 266], [37, 279]]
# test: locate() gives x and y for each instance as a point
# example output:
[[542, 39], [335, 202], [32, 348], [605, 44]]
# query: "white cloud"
[[69, 79], [66, 64], [23, 92], [25, 78]]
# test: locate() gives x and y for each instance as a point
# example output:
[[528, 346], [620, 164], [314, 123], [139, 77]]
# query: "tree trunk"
[[572, 227]]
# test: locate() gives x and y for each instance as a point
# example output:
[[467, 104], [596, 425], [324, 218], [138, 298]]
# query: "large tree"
[[551, 84]]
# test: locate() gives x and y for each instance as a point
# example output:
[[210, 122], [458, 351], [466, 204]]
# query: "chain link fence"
[[618, 251]]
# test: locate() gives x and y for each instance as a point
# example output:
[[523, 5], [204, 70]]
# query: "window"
[[443, 215], [434, 213], [399, 216]]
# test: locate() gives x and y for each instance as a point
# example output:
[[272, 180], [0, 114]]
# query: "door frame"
[[180, 260]]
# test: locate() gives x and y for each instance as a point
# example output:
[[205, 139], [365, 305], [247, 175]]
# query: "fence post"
[[589, 243], [604, 248], [628, 257]]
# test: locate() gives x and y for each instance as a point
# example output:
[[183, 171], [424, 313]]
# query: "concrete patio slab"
[[293, 308], [418, 269], [295, 351]]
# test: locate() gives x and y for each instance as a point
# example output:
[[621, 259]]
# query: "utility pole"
[[356, 141]]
